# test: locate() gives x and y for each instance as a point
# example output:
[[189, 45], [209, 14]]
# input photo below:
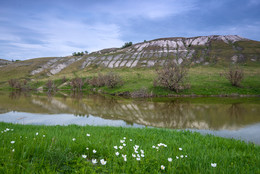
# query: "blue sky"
[[34, 28]]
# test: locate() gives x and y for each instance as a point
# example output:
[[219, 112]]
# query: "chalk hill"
[[202, 50]]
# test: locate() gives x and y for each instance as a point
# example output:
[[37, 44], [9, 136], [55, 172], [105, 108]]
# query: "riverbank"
[[138, 82], [49, 149]]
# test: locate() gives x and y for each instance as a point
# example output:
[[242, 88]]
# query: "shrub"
[[141, 93], [64, 79], [110, 80], [235, 75], [76, 84], [14, 83], [50, 86], [18, 85], [78, 53], [172, 76], [127, 44]]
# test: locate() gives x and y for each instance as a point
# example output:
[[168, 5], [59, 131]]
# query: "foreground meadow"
[[89, 149]]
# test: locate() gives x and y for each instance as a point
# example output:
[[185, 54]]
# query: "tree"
[[50, 86], [127, 44], [235, 75], [77, 84], [172, 76]]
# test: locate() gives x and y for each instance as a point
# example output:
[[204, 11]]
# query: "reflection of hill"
[[173, 114]]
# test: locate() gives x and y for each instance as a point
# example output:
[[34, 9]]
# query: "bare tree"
[[110, 80], [172, 76], [50, 86], [77, 84], [235, 75]]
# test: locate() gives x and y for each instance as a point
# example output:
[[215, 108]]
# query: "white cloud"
[[152, 9], [61, 37]]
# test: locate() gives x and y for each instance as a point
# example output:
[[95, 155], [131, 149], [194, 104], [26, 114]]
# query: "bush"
[[77, 84], [80, 53], [50, 86], [110, 80], [172, 76], [18, 85], [14, 83], [141, 93], [127, 44], [235, 75]]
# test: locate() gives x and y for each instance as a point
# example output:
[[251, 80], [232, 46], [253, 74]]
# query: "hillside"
[[202, 50], [4, 62], [136, 64]]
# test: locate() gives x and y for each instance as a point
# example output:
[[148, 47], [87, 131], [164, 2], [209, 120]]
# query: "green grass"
[[204, 80], [58, 153]]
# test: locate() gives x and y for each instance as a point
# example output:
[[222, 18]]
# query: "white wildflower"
[[121, 147], [73, 139], [12, 142], [138, 159], [124, 144], [103, 162], [124, 156], [142, 155], [213, 164], [153, 146], [94, 161], [162, 167], [177, 157], [117, 153], [37, 133], [115, 147], [181, 156], [180, 148], [13, 150], [170, 159], [84, 156], [133, 155], [94, 151], [88, 135]]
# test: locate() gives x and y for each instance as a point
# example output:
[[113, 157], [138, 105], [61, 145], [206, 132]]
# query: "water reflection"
[[177, 113]]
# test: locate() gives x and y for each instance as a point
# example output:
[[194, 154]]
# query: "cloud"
[[47, 35], [150, 9]]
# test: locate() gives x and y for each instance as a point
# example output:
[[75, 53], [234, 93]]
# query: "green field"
[[61, 149], [203, 80]]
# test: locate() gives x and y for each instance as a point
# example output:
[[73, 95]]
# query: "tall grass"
[[51, 149]]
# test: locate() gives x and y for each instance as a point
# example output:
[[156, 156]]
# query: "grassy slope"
[[205, 80], [56, 152]]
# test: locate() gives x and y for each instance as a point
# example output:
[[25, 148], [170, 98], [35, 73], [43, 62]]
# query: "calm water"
[[227, 117]]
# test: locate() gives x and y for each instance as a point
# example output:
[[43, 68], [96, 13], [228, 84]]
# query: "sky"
[[47, 28]]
